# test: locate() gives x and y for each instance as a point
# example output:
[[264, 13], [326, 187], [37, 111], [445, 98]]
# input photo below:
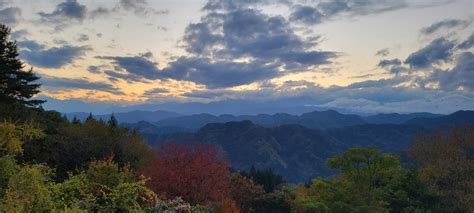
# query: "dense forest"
[[51, 164]]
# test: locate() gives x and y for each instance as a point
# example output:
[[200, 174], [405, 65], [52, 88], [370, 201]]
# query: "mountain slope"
[[296, 152]]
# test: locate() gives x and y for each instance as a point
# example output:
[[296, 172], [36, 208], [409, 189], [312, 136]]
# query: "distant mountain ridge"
[[396, 118], [297, 152], [314, 120]]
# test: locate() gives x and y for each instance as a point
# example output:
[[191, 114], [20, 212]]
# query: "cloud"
[[232, 48], [19, 34], [219, 74], [306, 14], [333, 7], [70, 9], [30, 45], [385, 63], [94, 69], [441, 103], [394, 66], [99, 12], [5, 2], [438, 50], [36, 54], [137, 65], [155, 91], [198, 70], [460, 77], [383, 52], [215, 5], [140, 8], [249, 33], [312, 14], [116, 76], [81, 83], [468, 43], [445, 24], [82, 38], [10, 15]]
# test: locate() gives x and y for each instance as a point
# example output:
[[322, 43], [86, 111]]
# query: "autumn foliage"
[[195, 171]]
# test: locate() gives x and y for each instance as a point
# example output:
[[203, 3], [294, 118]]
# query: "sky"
[[359, 55]]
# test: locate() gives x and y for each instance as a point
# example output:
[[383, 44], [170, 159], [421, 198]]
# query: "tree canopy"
[[16, 84]]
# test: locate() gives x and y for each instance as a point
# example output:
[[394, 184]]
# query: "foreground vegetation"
[[48, 163]]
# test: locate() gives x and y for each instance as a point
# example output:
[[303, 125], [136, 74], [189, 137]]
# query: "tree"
[[12, 136], [16, 85], [75, 146], [29, 191], [195, 171], [90, 118], [113, 121], [75, 120], [245, 192], [446, 165], [104, 187], [266, 178]]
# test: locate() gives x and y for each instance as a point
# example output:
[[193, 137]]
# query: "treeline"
[[48, 164]]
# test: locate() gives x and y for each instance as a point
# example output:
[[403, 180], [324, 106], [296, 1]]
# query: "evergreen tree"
[[75, 120], [90, 118], [16, 85], [113, 121]]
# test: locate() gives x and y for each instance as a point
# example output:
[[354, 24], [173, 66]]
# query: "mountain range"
[[297, 146]]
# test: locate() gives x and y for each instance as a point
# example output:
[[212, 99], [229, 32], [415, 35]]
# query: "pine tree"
[[90, 118], [75, 120], [16, 85], [113, 121]]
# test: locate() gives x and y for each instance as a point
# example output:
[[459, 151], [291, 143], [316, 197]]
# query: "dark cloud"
[[199, 70], [394, 66], [468, 43], [249, 33], [82, 83], [445, 24], [136, 65], [306, 14], [36, 54], [333, 7], [385, 63], [232, 48], [140, 8], [147, 55], [214, 5], [94, 69], [460, 76], [383, 52], [116, 76], [219, 74], [70, 9], [438, 50], [312, 14], [155, 91], [10, 15]]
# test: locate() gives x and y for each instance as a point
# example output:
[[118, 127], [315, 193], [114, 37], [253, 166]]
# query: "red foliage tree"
[[196, 172]]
